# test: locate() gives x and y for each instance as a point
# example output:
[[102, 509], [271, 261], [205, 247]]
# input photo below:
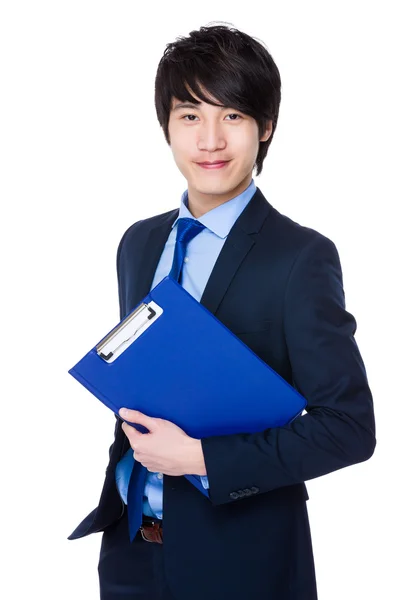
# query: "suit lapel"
[[238, 244], [150, 255]]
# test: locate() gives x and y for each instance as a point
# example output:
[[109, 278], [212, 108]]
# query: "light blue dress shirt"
[[201, 255]]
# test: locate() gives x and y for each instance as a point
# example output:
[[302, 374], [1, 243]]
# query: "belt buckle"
[[152, 523], [143, 536]]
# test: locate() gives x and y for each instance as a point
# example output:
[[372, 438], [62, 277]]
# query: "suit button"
[[255, 490], [248, 492], [241, 493], [234, 495]]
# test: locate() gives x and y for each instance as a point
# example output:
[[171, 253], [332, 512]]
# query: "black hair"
[[232, 66]]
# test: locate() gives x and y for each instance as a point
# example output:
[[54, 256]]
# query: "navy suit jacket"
[[278, 286]]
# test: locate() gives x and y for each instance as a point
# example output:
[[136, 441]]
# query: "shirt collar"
[[220, 219]]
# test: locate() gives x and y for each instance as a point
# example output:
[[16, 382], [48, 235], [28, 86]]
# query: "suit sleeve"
[[338, 429], [122, 309]]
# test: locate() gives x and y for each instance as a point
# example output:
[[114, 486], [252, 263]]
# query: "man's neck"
[[199, 204]]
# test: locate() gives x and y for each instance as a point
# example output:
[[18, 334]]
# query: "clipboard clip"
[[122, 336]]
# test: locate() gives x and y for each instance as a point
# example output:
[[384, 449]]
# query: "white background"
[[83, 157]]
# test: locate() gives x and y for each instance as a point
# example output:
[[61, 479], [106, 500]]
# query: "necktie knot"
[[187, 229]]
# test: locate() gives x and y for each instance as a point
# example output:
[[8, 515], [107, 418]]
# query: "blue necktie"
[[187, 229]]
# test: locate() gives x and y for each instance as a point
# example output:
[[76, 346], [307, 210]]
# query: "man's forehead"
[[176, 104], [176, 101]]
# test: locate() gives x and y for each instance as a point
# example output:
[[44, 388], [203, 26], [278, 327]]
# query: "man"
[[278, 286]]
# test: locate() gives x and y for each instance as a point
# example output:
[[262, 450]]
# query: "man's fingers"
[[135, 416], [132, 434]]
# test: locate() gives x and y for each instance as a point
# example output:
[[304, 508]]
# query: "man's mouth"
[[214, 165]]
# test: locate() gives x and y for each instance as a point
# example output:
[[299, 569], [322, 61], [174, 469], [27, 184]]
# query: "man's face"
[[201, 133]]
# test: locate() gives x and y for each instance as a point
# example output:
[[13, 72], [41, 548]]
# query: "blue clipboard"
[[171, 358]]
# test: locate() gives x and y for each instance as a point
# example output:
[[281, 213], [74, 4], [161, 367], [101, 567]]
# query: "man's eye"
[[230, 115]]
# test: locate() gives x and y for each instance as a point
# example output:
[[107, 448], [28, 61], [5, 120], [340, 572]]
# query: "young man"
[[278, 286]]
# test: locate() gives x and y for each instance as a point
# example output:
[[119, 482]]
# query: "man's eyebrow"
[[191, 105]]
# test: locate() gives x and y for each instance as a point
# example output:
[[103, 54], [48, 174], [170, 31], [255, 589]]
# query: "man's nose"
[[211, 137]]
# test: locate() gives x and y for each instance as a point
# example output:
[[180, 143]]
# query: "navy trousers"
[[130, 571]]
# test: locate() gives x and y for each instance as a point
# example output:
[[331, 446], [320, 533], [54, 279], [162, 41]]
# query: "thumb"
[[135, 416]]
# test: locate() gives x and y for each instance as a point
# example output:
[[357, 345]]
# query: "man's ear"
[[268, 130]]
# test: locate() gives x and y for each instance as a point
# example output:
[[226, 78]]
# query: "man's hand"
[[166, 448]]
